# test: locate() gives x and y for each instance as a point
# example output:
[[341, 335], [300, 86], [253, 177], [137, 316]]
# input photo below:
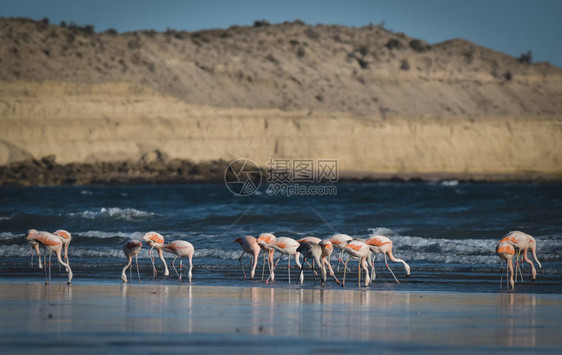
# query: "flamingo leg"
[[332, 271], [131, 271], [152, 259], [45, 269], [190, 267], [137, 262], [181, 267], [359, 270], [240, 261], [50, 253], [31, 257], [501, 273], [339, 260], [344, 270], [175, 267], [519, 267], [300, 273], [289, 267], [385, 261], [263, 268], [273, 270], [313, 272]]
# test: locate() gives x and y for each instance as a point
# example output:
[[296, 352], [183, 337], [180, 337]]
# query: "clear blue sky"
[[510, 26]]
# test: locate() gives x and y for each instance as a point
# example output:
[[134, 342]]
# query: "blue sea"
[[446, 231]]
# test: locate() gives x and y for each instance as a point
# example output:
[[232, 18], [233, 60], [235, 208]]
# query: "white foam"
[[127, 214], [449, 183], [382, 231]]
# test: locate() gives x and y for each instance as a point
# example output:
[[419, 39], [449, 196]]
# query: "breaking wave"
[[127, 214]]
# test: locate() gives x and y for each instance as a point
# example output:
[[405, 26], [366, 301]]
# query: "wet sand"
[[147, 318]]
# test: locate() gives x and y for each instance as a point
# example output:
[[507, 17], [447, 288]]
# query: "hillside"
[[453, 108]]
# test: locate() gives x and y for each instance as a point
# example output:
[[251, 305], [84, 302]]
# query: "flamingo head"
[[31, 234], [238, 240], [63, 234]]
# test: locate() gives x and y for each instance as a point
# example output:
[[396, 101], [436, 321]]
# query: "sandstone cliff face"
[[117, 122], [394, 104]]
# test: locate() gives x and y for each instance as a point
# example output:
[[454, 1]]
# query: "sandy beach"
[[158, 318]]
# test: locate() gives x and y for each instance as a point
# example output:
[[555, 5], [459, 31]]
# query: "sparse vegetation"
[[526, 58], [404, 64], [261, 23], [300, 52], [507, 76], [111, 31], [394, 43], [419, 46]]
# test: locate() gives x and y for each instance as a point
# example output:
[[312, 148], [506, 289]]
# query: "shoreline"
[[215, 318], [46, 172]]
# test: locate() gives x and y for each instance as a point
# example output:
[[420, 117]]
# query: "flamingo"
[[249, 245], [263, 240], [156, 240], [51, 243], [358, 249], [132, 248], [66, 238], [340, 241], [523, 242], [506, 251], [309, 249], [383, 245], [286, 246], [180, 248], [327, 249]]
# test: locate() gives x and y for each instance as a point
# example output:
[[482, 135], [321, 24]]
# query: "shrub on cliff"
[[526, 57], [419, 46], [394, 43]]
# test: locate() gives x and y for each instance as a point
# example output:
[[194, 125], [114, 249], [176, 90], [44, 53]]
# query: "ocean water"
[[446, 231]]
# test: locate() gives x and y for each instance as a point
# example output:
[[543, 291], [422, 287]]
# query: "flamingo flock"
[[316, 254]]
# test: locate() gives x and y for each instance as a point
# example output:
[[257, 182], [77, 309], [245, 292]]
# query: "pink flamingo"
[[66, 238], [523, 242], [340, 241], [327, 249], [180, 248], [286, 246], [263, 240], [380, 244], [309, 249], [506, 251], [358, 249], [51, 243], [132, 248], [156, 240], [249, 245]]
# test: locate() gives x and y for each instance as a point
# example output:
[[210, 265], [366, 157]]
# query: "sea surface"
[[446, 231]]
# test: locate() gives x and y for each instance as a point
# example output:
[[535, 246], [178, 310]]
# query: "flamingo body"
[[132, 248], [379, 244], [156, 240], [523, 242], [249, 245], [310, 249], [181, 249], [358, 249]]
